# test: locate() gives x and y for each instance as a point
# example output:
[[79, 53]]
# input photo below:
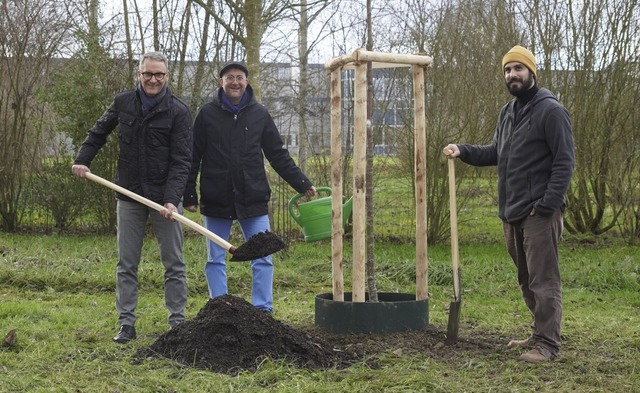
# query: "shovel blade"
[[258, 246], [454, 322]]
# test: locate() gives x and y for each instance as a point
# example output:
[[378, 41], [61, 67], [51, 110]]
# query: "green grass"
[[58, 293]]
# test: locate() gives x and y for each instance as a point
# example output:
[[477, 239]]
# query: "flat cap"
[[233, 64]]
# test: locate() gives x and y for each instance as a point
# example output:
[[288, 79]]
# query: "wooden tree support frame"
[[358, 60]]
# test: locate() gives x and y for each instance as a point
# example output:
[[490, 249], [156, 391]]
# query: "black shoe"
[[173, 325], [126, 334]]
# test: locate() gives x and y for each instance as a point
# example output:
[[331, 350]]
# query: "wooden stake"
[[359, 183], [337, 229], [420, 147]]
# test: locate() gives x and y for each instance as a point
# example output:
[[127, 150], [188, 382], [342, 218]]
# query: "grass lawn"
[[57, 292]]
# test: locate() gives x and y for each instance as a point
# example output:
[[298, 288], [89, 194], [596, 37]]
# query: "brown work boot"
[[526, 343], [537, 355]]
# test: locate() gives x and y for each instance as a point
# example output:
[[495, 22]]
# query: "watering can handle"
[[294, 199]]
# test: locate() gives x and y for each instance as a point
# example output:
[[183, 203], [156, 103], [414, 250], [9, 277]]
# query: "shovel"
[[454, 307], [258, 246]]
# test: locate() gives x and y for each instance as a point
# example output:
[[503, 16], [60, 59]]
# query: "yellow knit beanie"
[[521, 55]]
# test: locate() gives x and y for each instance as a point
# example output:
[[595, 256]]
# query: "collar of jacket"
[[250, 99], [149, 103]]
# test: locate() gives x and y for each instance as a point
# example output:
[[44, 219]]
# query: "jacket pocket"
[[159, 132], [256, 187], [127, 126]]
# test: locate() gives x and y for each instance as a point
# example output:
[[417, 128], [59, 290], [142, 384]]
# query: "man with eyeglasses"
[[155, 142], [232, 135]]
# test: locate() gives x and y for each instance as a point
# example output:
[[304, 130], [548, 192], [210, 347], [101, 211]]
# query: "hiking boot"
[[526, 343], [537, 355], [126, 334]]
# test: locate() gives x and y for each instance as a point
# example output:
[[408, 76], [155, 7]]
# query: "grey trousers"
[[132, 219], [533, 246]]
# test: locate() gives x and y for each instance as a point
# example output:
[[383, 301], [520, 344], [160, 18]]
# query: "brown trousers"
[[533, 246]]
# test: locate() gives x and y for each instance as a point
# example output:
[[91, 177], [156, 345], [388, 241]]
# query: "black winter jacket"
[[155, 151], [228, 152], [535, 157]]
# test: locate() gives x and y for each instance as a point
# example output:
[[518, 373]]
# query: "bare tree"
[[246, 22], [200, 66], [128, 40], [77, 93], [33, 32], [590, 54], [587, 51], [305, 17], [303, 54], [156, 32], [139, 24], [464, 89], [184, 29]]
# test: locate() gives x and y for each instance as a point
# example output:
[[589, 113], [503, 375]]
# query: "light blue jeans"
[[216, 268]]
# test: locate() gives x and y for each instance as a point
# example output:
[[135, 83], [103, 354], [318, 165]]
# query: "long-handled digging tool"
[[258, 246], [454, 307]]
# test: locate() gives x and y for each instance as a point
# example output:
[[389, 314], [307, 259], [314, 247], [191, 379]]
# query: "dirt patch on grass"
[[427, 343], [229, 335]]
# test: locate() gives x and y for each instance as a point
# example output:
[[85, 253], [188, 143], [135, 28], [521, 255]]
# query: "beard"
[[525, 84]]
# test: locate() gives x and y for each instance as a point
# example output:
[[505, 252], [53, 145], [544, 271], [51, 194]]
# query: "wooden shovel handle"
[[455, 257], [177, 216]]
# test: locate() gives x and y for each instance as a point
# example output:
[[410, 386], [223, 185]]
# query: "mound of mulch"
[[230, 335]]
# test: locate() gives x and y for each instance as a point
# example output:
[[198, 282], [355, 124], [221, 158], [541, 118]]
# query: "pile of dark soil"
[[229, 335]]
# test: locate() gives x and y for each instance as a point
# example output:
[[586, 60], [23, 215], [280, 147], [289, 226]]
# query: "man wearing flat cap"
[[533, 148], [231, 136]]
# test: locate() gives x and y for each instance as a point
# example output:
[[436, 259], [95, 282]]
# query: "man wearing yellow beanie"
[[521, 55], [533, 149]]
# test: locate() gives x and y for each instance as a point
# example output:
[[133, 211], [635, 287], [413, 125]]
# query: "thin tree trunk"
[[140, 25], [197, 83], [371, 260], [183, 51], [255, 30], [127, 34], [304, 86], [156, 30]]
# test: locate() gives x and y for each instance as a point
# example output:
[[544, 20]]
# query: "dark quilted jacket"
[[155, 151]]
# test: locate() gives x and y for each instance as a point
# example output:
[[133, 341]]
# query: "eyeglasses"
[[158, 75], [231, 78]]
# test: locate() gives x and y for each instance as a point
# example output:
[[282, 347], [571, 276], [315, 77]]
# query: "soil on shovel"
[[258, 246], [229, 335]]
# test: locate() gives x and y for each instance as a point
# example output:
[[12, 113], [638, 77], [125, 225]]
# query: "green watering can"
[[315, 216]]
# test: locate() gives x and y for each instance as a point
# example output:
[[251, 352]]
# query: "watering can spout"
[[315, 216]]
